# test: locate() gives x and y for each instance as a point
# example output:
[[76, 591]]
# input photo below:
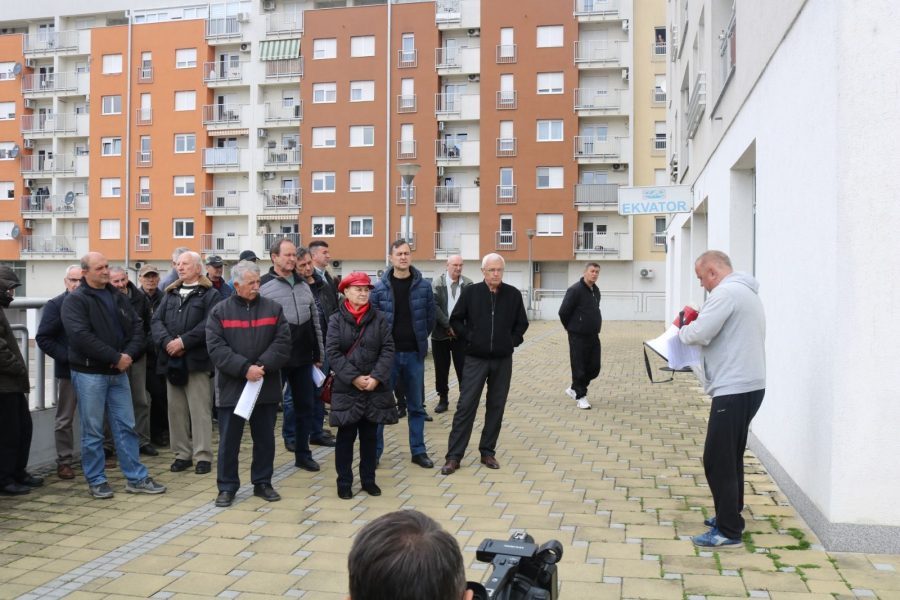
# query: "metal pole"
[[530, 234], [406, 183]]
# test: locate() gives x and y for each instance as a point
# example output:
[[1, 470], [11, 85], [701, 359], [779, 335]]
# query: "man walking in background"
[[445, 344], [580, 315]]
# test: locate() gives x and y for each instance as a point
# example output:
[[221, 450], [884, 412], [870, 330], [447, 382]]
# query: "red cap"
[[355, 278]]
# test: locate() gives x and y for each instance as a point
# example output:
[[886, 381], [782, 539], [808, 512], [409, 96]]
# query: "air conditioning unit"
[[647, 274], [474, 32], [28, 223], [30, 63], [269, 175], [262, 132], [440, 171], [29, 103], [29, 183], [617, 166], [441, 125], [245, 47], [336, 264], [625, 73], [268, 4], [474, 77], [28, 144], [625, 24], [243, 17]]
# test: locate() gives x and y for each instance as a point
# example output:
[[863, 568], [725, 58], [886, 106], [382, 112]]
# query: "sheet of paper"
[[248, 398], [318, 376], [677, 354]]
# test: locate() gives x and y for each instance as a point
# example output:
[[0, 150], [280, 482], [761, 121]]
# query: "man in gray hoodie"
[[731, 331]]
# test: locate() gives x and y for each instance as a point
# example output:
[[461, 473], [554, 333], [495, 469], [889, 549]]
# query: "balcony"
[[51, 43], [284, 23], [226, 245], [406, 149], [447, 243], [406, 103], [507, 194], [226, 28], [400, 193], [143, 200], [143, 116], [658, 96], [597, 53], [506, 53], [457, 107], [506, 147], [142, 243], [596, 102], [505, 240], [658, 241], [145, 74], [507, 99], [44, 205], [457, 60], [36, 125], [696, 105], [456, 199], [144, 158], [282, 200], [598, 150], [270, 238], [224, 159], [54, 83], [35, 165], [407, 59], [596, 245], [447, 12], [214, 202], [658, 51], [587, 11], [597, 196], [658, 145], [221, 73], [57, 245], [276, 114], [454, 152], [223, 115], [409, 237], [283, 158], [284, 69]]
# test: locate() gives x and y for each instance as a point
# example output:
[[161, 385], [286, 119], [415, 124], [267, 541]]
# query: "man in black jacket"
[[490, 317], [104, 335], [580, 315], [248, 339], [51, 338], [156, 383]]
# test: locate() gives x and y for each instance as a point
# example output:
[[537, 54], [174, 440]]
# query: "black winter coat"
[[580, 309], [186, 320], [51, 337], [13, 371], [374, 356], [240, 334], [492, 324], [141, 305]]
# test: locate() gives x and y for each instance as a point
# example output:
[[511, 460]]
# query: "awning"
[[279, 49], [224, 132], [279, 216]]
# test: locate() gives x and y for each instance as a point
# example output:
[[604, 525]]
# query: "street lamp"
[[407, 174], [530, 234]]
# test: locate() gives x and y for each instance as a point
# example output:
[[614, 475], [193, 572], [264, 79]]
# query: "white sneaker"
[[571, 393], [583, 404]]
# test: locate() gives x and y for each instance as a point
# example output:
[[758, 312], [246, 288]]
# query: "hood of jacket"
[[202, 282], [741, 278]]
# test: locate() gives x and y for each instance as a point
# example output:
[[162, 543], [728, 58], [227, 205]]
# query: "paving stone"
[[782, 582], [658, 589], [619, 567], [713, 585], [210, 583], [137, 584]]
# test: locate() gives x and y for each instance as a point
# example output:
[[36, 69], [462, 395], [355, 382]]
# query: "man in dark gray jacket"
[[580, 315], [445, 344]]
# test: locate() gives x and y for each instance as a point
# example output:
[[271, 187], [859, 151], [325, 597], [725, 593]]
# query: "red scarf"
[[357, 314]]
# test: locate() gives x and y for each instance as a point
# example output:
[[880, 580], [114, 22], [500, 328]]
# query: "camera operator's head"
[[406, 555]]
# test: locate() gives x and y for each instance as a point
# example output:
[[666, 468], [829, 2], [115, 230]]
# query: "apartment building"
[[134, 128], [785, 142]]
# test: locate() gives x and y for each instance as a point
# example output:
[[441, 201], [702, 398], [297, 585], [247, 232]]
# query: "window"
[[7, 190], [6, 70], [322, 182], [408, 50], [185, 58], [362, 181], [6, 229], [6, 149], [549, 83], [143, 232], [550, 225], [549, 178], [186, 100], [324, 92], [110, 187], [184, 185], [112, 105], [550, 36], [323, 226], [110, 229], [362, 135], [324, 137], [550, 131], [185, 142], [7, 111], [362, 91], [183, 228], [324, 48], [111, 146], [506, 190], [361, 226], [362, 45], [112, 64]]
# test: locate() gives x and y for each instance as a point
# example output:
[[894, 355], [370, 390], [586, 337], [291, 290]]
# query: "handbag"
[[328, 384]]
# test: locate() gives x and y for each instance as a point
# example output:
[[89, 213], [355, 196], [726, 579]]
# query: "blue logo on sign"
[[654, 194]]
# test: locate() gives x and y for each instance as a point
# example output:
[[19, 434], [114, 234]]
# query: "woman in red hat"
[[360, 349]]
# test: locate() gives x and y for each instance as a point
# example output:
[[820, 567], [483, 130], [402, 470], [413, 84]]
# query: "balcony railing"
[[406, 103], [596, 51], [597, 99], [144, 158], [286, 200], [145, 74], [294, 237], [284, 156], [506, 99], [407, 59], [506, 53], [48, 123], [406, 149], [277, 112], [505, 240], [284, 23], [658, 50], [44, 204], [447, 11], [36, 83], [506, 146], [222, 114], [447, 241], [144, 116], [222, 71], [447, 103], [446, 196], [658, 239], [220, 243], [599, 195], [658, 95], [44, 42], [410, 238], [658, 145], [401, 192], [222, 28], [285, 68], [221, 200], [221, 157], [597, 243], [696, 105], [142, 243], [596, 7], [37, 165], [507, 194], [143, 200], [447, 149], [48, 244], [447, 58], [593, 147]]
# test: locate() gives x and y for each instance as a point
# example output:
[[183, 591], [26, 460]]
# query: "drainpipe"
[[387, 159], [128, 149]]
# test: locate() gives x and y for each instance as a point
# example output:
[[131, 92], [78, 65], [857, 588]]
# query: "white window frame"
[[112, 64], [187, 143], [183, 225], [110, 187], [362, 45], [185, 58], [549, 225], [365, 90], [7, 190], [554, 178], [550, 36], [358, 134], [7, 111], [324, 48], [551, 82], [111, 146], [324, 137], [325, 92], [323, 182], [183, 185], [324, 223], [362, 181], [361, 223], [183, 95], [550, 130], [108, 105], [110, 229]]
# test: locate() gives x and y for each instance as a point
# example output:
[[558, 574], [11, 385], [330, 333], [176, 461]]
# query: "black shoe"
[[180, 465], [441, 407], [149, 450], [224, 499], [326, 434], [401, 412], [371, 489], [323, 441], [423, 461], [345, 493], [290, 446], [203, 467], [307, 464], [14, 489], [31, 481], [429, 418], [266, 492]]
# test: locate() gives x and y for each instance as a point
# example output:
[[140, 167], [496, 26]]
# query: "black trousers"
[[496, 372], [303, 394], [723, 456], [231, 430], [159, 401], [584, 357], [15, 437], [343, 452], [443, 351]]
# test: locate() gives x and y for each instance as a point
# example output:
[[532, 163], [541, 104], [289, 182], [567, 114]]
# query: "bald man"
[[446, 346]]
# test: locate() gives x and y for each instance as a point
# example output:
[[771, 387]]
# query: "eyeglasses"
[[492, 270], [72, 279]]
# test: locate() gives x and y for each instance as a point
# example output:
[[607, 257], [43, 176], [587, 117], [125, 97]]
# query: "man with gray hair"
[[179, 332], [51, 338], [172, 275], [490, 316]]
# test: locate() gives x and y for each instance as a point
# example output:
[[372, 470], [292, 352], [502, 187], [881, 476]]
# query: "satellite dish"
[[14, 152], [14, 232], [17, 68], [69, 200]]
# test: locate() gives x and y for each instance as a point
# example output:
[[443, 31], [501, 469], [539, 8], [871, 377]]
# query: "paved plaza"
[[621, 486]]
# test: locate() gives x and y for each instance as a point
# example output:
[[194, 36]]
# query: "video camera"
[[522, 570]]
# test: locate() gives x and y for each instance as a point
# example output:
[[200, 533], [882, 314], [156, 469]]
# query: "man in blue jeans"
[[405, 298], [104, 335]]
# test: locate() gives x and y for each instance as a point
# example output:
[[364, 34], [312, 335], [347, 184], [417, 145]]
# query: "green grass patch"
[[747, 538]]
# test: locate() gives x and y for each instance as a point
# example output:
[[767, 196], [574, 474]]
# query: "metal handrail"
[[39, 358]]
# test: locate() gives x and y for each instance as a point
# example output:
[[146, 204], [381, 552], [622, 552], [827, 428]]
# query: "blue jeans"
[[410, 368], [288, 427], [111, 394]]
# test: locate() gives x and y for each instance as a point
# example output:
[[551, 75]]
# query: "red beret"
[[355, 278]]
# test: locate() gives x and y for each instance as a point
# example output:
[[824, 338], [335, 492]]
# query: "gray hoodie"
[[731, 329]]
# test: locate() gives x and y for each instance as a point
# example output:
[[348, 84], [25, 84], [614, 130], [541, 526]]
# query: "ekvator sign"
[[654, 200]]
